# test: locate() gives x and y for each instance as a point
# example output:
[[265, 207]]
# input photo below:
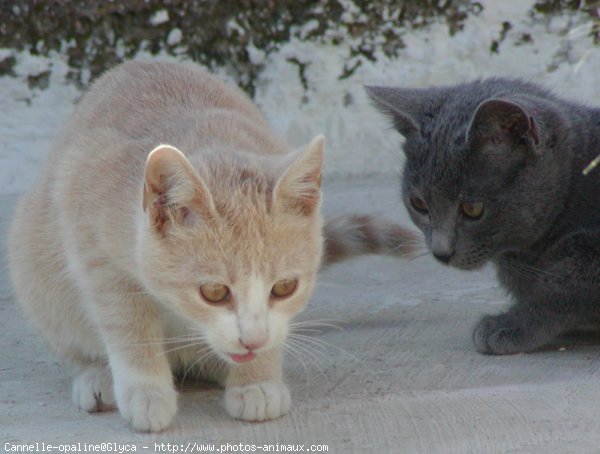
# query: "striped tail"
[[349, 236]]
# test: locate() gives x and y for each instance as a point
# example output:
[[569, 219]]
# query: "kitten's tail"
[[349, 236]]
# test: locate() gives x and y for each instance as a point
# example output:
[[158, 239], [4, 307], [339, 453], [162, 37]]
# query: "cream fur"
[[109, 249]]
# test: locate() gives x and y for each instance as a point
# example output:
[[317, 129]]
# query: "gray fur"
[[520, 150]]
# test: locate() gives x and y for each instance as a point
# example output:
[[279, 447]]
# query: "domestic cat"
[[493, 173], [136, 261]]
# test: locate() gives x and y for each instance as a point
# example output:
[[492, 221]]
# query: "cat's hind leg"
[[53, 302]]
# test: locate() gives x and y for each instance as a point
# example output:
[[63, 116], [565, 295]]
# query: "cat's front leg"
[[559, 294], [255, 391], [519, 330], [93, 389], [538, 317], [131, 329]]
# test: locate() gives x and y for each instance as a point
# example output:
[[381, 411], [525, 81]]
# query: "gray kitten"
[[494, 174]]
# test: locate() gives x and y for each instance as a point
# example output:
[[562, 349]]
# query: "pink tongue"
[[243, 358]]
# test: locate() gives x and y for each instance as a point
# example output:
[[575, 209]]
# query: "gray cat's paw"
[[499, 335], [93, 389]]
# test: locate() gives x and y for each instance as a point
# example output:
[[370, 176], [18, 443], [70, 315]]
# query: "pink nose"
[[253, 344]]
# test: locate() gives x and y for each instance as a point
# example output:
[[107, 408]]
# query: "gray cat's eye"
[[472, 210], [419, 205]]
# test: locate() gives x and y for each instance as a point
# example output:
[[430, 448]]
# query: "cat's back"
[[143, 104], [136, 93]]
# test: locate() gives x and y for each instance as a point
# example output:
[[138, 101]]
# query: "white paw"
[[93, 389], [148, 408], [258, 401]]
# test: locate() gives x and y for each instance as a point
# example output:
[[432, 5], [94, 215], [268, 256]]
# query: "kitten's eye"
[[472, 210], [215, 293], [419, 204], [284, 287]]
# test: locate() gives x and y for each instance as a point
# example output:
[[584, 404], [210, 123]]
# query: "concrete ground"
[[398, 372]]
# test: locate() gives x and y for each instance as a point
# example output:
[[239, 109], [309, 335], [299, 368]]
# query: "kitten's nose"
[[253, 344], [443, 257]]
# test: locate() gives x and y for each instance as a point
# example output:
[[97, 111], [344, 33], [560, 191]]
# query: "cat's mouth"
[[465, 262], [248, 356]]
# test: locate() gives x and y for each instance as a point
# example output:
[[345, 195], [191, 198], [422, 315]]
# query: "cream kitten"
[[134, 259]]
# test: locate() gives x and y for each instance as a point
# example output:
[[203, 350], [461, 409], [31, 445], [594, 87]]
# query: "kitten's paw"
[[258, 401], [148, 408], [499, 335], [93, 389]]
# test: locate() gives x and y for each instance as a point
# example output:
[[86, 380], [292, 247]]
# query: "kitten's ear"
[[173, 190], [299, 188], [400, 105], [499, 121]]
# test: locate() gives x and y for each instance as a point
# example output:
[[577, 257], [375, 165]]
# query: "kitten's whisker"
[[314, 354], [218, 364], [300, 350], [316, 320], [318, 349], [320, 323], [307, 330], [318, 328], [169, 340], [187, 336], [316, 343], [197, 362], [326, 345], [297, 357], [318, 358], [182, 347]]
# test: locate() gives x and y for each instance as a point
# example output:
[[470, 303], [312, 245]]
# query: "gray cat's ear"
[[498, 121], [299, 188], [402, 106], [173, 190]]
